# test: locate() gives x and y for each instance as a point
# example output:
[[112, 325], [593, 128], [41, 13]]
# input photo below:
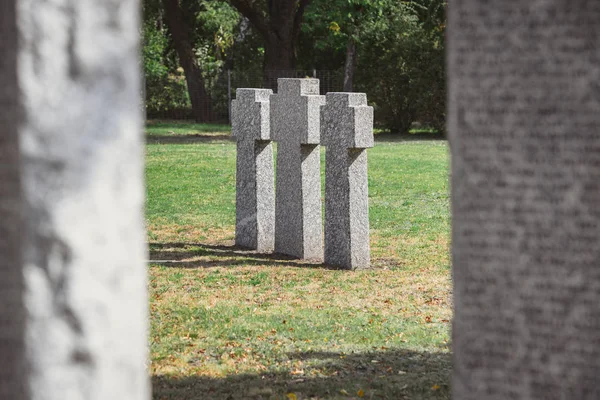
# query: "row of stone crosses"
[[286, 218]]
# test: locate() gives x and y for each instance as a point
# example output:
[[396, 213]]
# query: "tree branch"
[[253, 14], [298, 18]]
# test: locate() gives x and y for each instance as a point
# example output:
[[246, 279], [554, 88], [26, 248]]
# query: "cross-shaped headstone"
[[295, 125], [347, 131], [255, 197]]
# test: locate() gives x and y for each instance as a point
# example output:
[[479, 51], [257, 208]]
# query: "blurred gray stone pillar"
[[295, 125], [524, 128], [255, 185], [13, 378], [347, 131], [73, 303]]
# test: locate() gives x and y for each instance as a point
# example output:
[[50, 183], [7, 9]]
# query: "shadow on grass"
[[391, 374], [198, 255], [409, 137], [207, 139], [187, 139], [189, 125]]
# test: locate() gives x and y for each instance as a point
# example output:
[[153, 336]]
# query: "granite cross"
[[347, 131], [255, 198], [295, 123]]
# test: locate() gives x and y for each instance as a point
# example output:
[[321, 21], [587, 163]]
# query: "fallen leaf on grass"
[[360, 393], [435, 387], [291, 396]]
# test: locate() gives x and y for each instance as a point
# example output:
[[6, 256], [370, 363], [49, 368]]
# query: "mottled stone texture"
[[524, 129], [347, 130], [71, 196], [255, 185], [295, 125]]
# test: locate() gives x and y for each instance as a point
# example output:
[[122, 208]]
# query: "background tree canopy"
[[392, 50]]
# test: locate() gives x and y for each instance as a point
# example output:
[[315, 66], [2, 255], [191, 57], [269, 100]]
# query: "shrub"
[[407, 84]]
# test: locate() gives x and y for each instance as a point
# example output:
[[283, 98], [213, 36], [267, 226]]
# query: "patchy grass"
[[233, 324]]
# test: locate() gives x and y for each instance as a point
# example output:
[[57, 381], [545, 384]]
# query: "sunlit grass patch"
[[231, 323]]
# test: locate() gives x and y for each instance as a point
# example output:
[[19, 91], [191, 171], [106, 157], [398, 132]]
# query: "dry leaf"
[[360, 393]]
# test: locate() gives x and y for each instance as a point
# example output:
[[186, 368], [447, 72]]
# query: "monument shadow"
[[200, 255], [391, 374]]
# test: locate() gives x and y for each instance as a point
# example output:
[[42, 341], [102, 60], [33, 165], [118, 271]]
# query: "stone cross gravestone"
[[347, 131], [73, 294], [295, 122], [524, 128], [255, 191]]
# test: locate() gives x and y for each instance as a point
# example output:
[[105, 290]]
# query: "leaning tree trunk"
[[279, 59], [201, 104], [350, 65], [280, 29]]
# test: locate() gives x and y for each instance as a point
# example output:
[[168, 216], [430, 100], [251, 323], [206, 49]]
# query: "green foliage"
[[154, 44], [216, 27], [400, 55], [218, 21], [215, 24], [400, 48], [164, 84], [401, 67]]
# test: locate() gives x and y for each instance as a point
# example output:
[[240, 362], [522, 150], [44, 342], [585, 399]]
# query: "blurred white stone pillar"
[[73, 277]]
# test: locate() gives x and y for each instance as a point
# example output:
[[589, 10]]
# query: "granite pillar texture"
[[13, 372], [255, 184], [73, 302], [295, 125], [524, 135], [347, 131]]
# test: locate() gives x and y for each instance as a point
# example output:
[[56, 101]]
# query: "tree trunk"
[[350, 65], [279, 60], [201, 103], [280, 30]]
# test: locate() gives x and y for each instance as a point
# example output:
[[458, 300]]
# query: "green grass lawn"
[[227, 323]]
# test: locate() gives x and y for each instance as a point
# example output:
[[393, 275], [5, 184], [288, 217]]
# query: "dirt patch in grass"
[[188, 139]]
